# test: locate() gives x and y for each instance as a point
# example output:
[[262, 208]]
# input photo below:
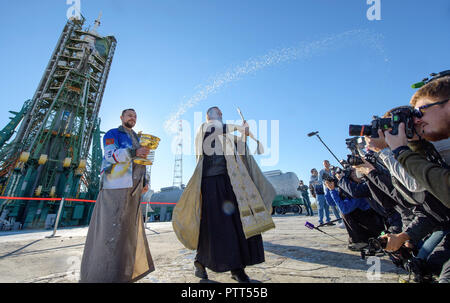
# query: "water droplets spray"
[[277, 56]]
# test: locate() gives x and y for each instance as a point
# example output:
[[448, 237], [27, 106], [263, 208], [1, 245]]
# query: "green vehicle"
[[282, 205], [288, 199]]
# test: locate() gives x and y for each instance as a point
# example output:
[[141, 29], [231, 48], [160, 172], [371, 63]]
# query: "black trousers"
[[362, 225], [222, 244]]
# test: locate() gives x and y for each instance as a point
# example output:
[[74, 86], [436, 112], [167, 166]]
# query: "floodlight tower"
[[178, 167]]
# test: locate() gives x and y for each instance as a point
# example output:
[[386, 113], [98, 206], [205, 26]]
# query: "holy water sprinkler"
[[317, 135], [240, 114]]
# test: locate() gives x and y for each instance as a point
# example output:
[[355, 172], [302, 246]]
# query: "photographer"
[[419, 181], [417, 192], [433, 124], [361, 221], [391, 218], [325, 173], [382, 190], [431, 216]]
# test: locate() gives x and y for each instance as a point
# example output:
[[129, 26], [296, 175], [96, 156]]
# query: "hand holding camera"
[[376, 144], [395, 241], [365, 168], [395, 141]]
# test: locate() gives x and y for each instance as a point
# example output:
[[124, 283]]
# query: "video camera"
[[337, 170], [355, 144], [330, 177], [400, 114], [354, 160]]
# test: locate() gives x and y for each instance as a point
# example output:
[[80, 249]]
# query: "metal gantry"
[[178, 167], [51, 154]]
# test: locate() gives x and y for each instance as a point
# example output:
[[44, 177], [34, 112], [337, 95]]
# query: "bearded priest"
[[227, 203]]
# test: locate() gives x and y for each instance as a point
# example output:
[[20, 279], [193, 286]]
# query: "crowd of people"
[[398, 196]]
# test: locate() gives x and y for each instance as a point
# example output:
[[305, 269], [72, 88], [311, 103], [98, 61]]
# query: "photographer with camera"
[[432, 122], [391, 218], [434, 215], [324, 174], [360, 220], [430, 216]]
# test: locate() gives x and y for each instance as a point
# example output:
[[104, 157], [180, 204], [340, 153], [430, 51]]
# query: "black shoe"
[[200, 271], [330, 224], [240, 276], [357, 246]]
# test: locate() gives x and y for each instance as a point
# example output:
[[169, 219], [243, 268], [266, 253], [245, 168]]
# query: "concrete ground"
[[294, 254]]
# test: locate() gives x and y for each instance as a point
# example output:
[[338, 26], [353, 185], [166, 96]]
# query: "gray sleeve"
[[399, 172]]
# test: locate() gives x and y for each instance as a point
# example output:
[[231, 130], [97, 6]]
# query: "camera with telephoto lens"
[[403, 257], [330, 177], [337, 170], [377, 245], [357, 160], [400, 114], [354, 160], [354, 145]]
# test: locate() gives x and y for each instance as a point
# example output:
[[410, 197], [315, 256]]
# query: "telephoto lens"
[[360, 130], [354, 160]]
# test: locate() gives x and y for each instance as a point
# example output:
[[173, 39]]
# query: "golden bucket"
[[150, 142]]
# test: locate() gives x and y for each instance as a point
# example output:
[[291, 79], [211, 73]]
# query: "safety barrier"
[[61, 205]]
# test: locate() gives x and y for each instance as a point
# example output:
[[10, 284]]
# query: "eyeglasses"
[[420, 111]]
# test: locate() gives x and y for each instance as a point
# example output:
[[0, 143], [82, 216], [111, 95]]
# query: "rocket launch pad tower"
[[50, 154]]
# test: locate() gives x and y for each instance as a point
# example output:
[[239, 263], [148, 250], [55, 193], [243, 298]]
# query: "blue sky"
[[169, 51]]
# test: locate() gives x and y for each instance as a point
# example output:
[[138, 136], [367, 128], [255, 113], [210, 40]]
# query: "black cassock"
[[222, 245]]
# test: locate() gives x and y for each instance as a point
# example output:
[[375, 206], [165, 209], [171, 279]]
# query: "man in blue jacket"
[[116, 248]]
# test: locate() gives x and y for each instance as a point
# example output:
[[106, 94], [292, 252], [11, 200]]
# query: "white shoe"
[[341, 225]]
